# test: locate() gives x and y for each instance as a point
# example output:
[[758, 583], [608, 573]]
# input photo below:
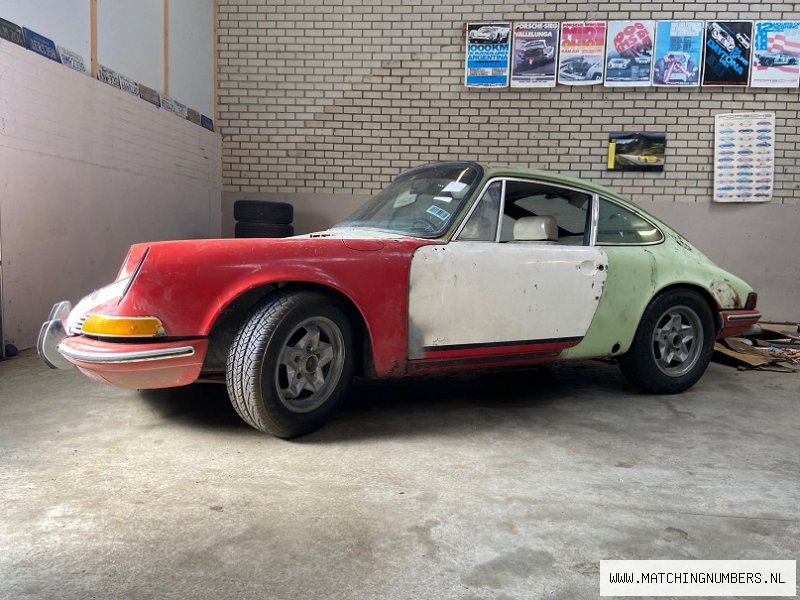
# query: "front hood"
[[186, 283]]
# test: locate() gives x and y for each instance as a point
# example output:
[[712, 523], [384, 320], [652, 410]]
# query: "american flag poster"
[[776, 54]]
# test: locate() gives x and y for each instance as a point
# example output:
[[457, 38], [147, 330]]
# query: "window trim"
[[595, 225], [594, 207]]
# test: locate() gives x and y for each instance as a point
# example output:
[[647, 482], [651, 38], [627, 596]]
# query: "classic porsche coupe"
[[453, 266]]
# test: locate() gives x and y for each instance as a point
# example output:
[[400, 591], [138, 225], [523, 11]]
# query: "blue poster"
[[488, 54], [41, 45], [679, 52]]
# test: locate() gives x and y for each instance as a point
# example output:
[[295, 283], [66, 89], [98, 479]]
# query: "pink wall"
[[85, 171]]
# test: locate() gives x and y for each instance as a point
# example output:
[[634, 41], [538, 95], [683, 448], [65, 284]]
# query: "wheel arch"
[[230, 318], [704, 293]]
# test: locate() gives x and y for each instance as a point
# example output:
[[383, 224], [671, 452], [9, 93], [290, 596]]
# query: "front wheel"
[[291, 363], [673, 343]]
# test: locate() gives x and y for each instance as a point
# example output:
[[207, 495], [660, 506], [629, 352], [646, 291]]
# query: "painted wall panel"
[[85, 171], [130, 39], [191, 53], [66, 22]]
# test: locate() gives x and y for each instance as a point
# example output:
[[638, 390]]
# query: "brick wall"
[[324, 101], [338, 96]]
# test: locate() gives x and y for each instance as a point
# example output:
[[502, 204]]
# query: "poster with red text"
[[582, 52], [629, 54]]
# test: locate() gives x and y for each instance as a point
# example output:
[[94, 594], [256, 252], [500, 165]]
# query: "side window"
[[562, 213], [482, 223], [619, 226]]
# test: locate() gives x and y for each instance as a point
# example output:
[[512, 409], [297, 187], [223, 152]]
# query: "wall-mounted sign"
[[207, 122], [629, 52], [776, 54], [12, 32], [71, 59], [679, 53], [109, 76], [727, 58], [488, 49], [535, 54], [193, 116], [126, 84], [581, 56], [173, 106], [636, 151], [41, 45], [744, 157], [149, 95]]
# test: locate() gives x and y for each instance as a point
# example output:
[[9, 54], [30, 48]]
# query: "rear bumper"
[[136, 365], [736, 322]]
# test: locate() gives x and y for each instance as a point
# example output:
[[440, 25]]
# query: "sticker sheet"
[[744, 157]]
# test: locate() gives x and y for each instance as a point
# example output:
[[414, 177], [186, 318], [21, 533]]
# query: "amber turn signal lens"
[[97, 324]]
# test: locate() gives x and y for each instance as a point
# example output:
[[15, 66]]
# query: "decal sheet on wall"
[[727, 59], [629, 52], [679, 53], [744, 157], [535, 54], [488, 49], [776, 54], [582, 55]]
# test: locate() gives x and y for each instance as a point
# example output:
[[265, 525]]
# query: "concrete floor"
[[502, 486]]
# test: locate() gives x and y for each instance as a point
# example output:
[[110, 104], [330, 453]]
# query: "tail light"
[[752, 300]]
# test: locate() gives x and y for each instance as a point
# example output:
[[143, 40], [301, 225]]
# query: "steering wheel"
[[423, 224]]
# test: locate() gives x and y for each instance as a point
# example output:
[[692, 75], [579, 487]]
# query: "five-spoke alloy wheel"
[[673, 343], [290, 364]]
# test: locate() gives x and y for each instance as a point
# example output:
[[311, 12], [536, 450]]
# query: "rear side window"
[[619, 226]]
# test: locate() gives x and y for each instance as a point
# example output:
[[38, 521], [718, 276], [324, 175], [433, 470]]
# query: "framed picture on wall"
[[581, 57], [678, 56], [629, 52], [488, 50], [728, 45]]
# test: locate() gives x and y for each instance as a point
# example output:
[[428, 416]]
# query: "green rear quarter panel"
[[636, 275]]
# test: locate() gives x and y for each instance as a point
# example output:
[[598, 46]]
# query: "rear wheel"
[[291, 363], [673, 343]]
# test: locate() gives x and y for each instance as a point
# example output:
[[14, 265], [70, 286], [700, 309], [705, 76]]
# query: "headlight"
[[112, 326]]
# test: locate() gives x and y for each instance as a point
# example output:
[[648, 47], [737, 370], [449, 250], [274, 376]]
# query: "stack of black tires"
[[263, 219]]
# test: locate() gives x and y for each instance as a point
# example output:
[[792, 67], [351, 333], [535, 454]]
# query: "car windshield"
[[421, 202]]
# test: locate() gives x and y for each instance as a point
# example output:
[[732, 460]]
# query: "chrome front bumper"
[[51, 334]]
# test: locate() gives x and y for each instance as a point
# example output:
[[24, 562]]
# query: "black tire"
[[262, 211], [258, 382], [263, 230], [643, 364]]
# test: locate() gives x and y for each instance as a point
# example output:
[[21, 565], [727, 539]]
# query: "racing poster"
[[582, 52], [534, 55], [679, 53], [629, 52], [727, 57], [776, 54], [488, 50], [744, 157]]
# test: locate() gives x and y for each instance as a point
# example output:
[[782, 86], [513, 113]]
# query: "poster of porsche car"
[[488, 48], [744, 157], [582, 52], [629, 52], [679, 53], [636, 151], [727, 58], [535, 54], [776, 54]]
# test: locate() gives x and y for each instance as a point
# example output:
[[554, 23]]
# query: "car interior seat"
[[536, 229]]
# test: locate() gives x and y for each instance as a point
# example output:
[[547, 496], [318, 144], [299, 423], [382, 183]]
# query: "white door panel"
[[478, 293]]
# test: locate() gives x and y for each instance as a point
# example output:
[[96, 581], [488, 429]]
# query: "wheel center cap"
[[676, 340], [311, 364]]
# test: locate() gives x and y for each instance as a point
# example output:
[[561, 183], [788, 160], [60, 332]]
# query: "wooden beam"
[[216, 65], [166, 47], [93, 30]]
